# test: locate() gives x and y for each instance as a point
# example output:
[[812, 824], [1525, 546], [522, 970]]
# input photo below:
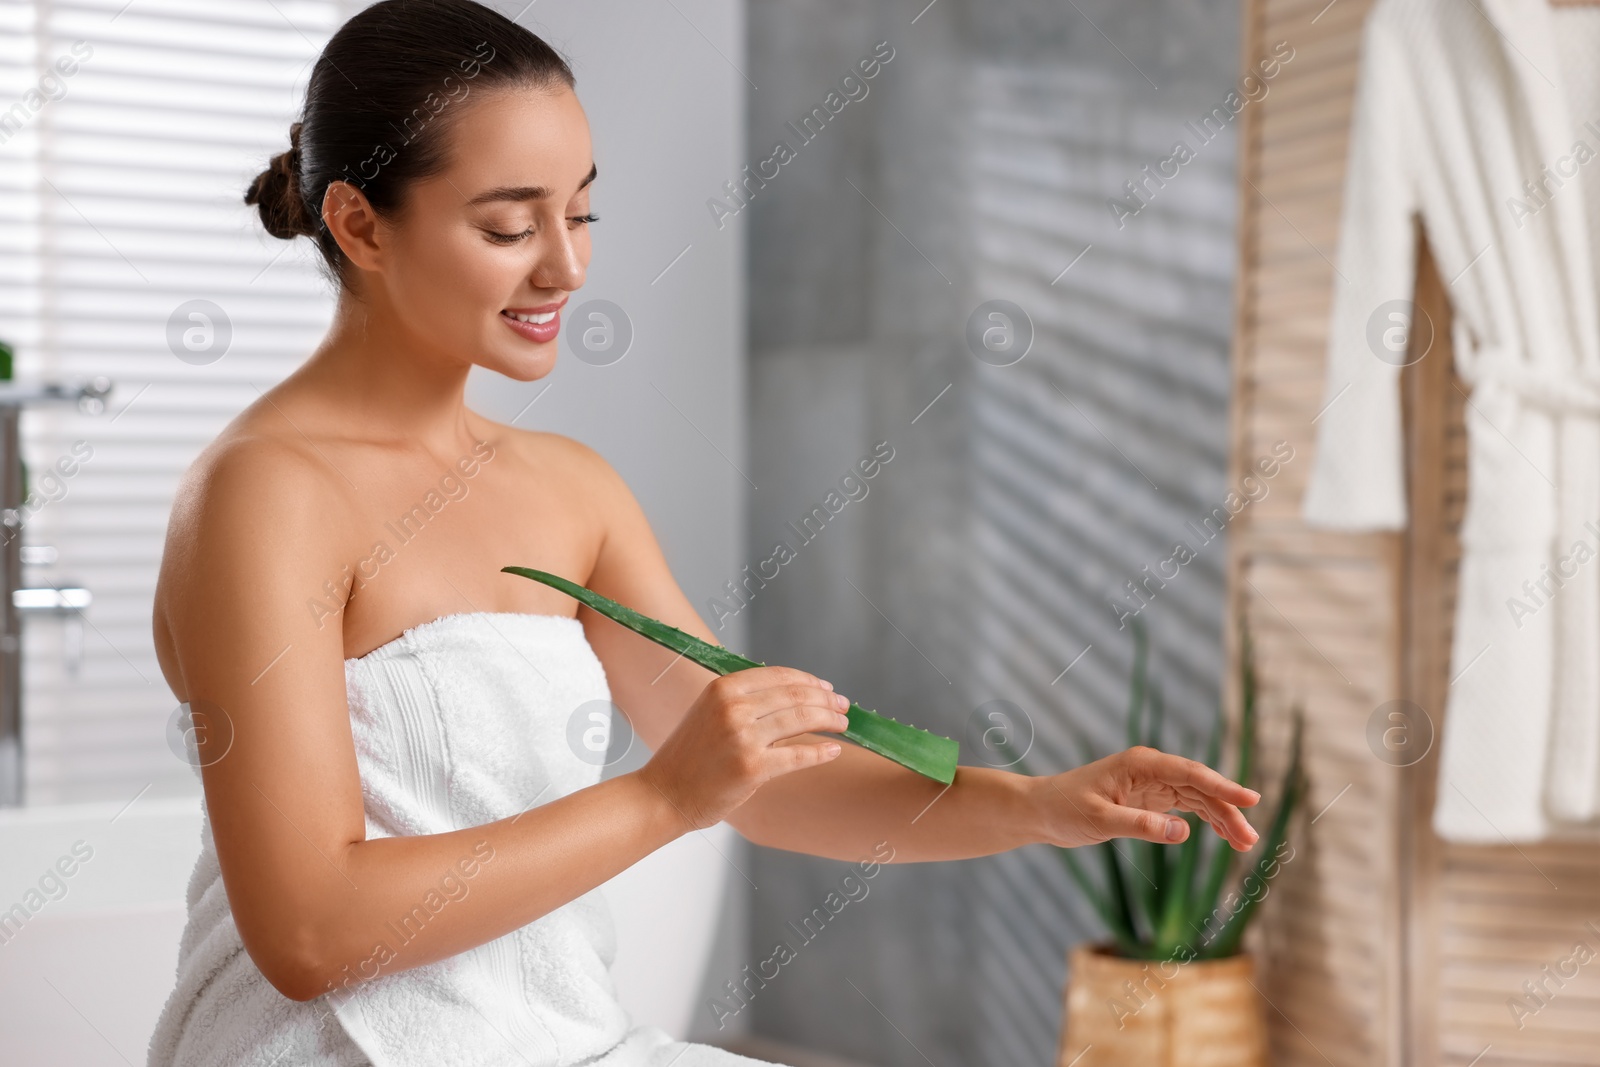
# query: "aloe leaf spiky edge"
[[926, 753]]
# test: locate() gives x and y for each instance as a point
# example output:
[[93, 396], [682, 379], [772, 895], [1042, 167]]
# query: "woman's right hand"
[[742, 731]]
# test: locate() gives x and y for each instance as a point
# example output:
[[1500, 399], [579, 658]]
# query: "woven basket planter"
[[1155, 1013]]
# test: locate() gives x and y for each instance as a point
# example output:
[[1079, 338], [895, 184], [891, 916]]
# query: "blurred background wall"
[[988, 559]]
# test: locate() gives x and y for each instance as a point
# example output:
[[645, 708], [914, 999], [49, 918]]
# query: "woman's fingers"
[[752, 680], [792, 719], [1179, 772], [765, 702], [781, 759], [1118, 820], [1226, 819], [1200, 789], [1228, 822], [1121, 820]]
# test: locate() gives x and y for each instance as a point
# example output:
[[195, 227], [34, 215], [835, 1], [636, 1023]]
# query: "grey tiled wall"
[[984, 555]]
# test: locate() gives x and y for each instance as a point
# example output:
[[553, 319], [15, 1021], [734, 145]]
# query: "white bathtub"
[[83, 979]]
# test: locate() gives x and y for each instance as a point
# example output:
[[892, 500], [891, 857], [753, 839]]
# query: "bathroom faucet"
[[89, 396]]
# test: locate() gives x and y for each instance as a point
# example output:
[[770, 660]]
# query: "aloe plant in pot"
[[1173, 985]]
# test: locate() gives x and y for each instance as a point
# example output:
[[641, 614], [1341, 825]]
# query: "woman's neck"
[[382, 384]]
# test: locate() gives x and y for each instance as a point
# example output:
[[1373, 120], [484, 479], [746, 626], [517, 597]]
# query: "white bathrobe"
[[1459, 103]]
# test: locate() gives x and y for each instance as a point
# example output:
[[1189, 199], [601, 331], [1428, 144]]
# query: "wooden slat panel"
[[1389, 947], [1315, 602]]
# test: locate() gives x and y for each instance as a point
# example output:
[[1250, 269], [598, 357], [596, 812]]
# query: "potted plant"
[[1173, 985]]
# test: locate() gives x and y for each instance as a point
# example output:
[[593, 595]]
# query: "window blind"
[[120, 205]]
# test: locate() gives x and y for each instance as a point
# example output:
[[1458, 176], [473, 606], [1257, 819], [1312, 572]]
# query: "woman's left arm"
[[846, 808]]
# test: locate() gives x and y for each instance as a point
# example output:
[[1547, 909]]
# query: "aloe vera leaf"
[[1247, 707], [1145, 859], [1180, 903], [1231, 935], [1149, 862], [1158, 714], [1178, 896], [926, 753], [1118, 911], [1157, 856], [1214, 857], [1112, 911], [1104, 904], [1110, 859], [1136, 691], [1121, 895], [1214, 742], [1205, 906], [1205, 903]]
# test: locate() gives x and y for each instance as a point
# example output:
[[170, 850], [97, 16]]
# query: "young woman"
[[401, 847]]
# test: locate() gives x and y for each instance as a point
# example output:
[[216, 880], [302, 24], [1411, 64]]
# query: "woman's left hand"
[[1129, 794]]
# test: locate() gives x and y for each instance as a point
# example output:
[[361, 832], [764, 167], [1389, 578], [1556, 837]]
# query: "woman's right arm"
[[251, 543]]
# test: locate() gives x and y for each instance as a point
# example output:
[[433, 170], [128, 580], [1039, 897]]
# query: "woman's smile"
[[539, 325]]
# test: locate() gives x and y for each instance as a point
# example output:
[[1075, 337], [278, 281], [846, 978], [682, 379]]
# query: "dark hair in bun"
[[381, 97], [276, 194]]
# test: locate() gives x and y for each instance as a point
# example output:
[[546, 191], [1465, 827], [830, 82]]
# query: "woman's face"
[[497, 234]]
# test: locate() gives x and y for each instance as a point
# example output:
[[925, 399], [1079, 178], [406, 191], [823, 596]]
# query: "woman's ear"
[[354, 224]]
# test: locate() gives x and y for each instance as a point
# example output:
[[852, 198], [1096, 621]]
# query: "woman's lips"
[[537, 332]]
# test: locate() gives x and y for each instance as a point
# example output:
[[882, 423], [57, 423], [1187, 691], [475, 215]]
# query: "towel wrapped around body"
[[458, 722]]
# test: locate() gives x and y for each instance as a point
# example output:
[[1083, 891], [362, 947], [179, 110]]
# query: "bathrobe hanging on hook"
[[1462, 119]]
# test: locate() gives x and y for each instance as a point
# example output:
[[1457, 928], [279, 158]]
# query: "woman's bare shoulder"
[[564, 457], [252, 489], [248, 462]]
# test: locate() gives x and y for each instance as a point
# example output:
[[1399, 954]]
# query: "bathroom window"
[[128, 132]]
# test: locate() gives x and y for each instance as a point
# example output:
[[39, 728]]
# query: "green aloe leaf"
[[1214, 742], [1158, 715], [926, 753], [1156, 857], [1179, 895], [1178, 898], [1110, 902], [1231, 934], [1178, 918], [1205, 906], [1247, 702], [1111, 860], [1105, 905], [1136, 688], [1146, 858]]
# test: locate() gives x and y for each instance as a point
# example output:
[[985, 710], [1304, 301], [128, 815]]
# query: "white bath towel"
[[458, 722]]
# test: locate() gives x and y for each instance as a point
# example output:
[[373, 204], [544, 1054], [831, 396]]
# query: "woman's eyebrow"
[[525, 192]]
